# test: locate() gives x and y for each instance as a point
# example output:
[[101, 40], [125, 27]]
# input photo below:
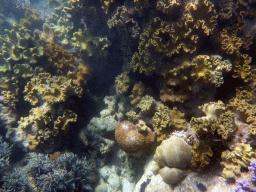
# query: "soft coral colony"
[[184, 83]]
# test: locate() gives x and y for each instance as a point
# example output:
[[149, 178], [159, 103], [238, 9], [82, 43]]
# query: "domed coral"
[[172, 158], [130, 139]]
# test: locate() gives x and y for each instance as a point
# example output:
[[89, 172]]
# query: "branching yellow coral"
[[233, 160], [201, 155]]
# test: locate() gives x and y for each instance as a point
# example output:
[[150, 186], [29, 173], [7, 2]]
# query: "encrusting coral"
[[131, 139]]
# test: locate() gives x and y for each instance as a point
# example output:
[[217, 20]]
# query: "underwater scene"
[[127, 95]]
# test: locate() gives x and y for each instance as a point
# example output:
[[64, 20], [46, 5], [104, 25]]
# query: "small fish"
[[201, 187]]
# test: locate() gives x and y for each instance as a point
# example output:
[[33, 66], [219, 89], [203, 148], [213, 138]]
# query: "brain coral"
[[130, 139]]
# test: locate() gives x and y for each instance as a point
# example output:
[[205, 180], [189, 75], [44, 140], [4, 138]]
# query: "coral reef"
[[178, 82]]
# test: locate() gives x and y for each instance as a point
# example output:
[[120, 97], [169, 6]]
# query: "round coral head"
[[130, 139]]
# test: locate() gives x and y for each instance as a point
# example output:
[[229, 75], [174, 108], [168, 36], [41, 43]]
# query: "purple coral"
[[252, 167], [244, 186]]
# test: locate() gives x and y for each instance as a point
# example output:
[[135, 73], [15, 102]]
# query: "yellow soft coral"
[[51, 89], [233, 160], [209, 69], [62, 122], [106, 4], [243, 69], [226, 125], [137, 92], [201, 154], [230, 43], [203, 15], [89, 44], [122, 83], [167, 6], [201, 68], [161, 121], [177, 119], [16, 46], [146, 104]]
